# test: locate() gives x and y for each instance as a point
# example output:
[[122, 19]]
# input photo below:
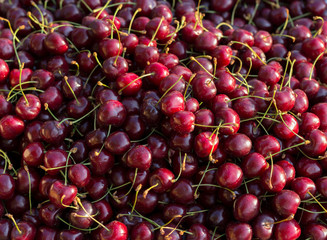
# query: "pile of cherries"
[[166, 120]]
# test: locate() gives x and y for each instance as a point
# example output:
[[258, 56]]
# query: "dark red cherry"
[[172, 102], [204, 88], [80, 218], [230, 120], [238, 145], [254, 165], [28, 107], [182, 191], [7, 186], [79, 175], [62, 195], [26, 230], [229, 175], [317, 143], [205, 143], [246, 207], [117, 143], [11, 127], [291, 229], [274, 180], [139, 157], [286, 203], [111, 113], [267, 145], [55, 43], [241, 230]]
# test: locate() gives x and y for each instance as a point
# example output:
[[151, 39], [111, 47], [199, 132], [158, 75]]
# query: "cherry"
[[5, 228], [268, 75], [55, 43], [139, 157], [101, 161], [198, 231], [205, 143], [172, 102], [306, 167], [263, 225], [11, 127], [301, 102], [146, 202], [191, 31], [53, 132], [7, 186], [24, 230], [145, 55], [104, 210], [315, 231], [27, 181], [129, 84], [206, 41], [160, 72], [70, 234], [254, 165], [290, 229], [182, 191], [224, 81], [205, 118], [33, 154], [162, 179], [97, 187], [223, 54], [142, 230], [79, 175], [238, 145], [117, 143], [172, 83], [267, 145], [62, 195], [245, 107], [241, 230], [229, 175], [317, 145], [182, 122], [273, 178], [80, 218], [287, 128], [320, 109], [230, 119], [286, 196], [158, 146], [52, 97], [28, 107], [111, 113], [54, 159], [246, 207], [204, 88]]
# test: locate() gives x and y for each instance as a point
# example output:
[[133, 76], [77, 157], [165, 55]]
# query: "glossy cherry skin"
[[101, 161], [286, 129], [172, 102], [97, 187], [52, 132], [306, 167], [230, 119], [199, 232], [317, 145], [7, 186], [223, 54], [286, 203], [5, 228], [33, 154], [117, 143], [27, 180], [289, 229], [204, 88], [142, 231], [263, 225], [55, 43], [267, 145], [315, 231], [246, 207], [182, 191], [80, 217], [11, 127], [28, 108], [205, 143], [268, 75], [274, 180], [301, 185], [320, 109], [158, 146], [111, 113], [139, 157], [238, 145], [253, 165], [163, 178], [55, 159], [229, 175], [27, 231], [236, 230], [79, 175], [62, 195]]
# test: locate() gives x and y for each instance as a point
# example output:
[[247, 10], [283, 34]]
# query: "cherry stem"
[[240, 62], [11, 30], [182, 166], [8, 215], [233, 12], [143, 76], [286, 21], [46, 107], [251, 49], [314, 63], [250, 68], [70, 88], [155, 33], [189, 84], [145, 193], [224, 24], [73, 150], [7, 162], [146, 137], [77, 65], [196, 195], [321, 27], [136, 194], [271, 170], [195, 60], [130, 189], [78, 200], [257, 3], [271, 102], [72, 226], [165, 93], [133, 17], [95, 54], [102, 9], [86, 115], [285, 70], [317, 201], [29, 187], [113, 22]]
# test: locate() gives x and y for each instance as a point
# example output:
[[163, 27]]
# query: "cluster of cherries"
[[163, 120]]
